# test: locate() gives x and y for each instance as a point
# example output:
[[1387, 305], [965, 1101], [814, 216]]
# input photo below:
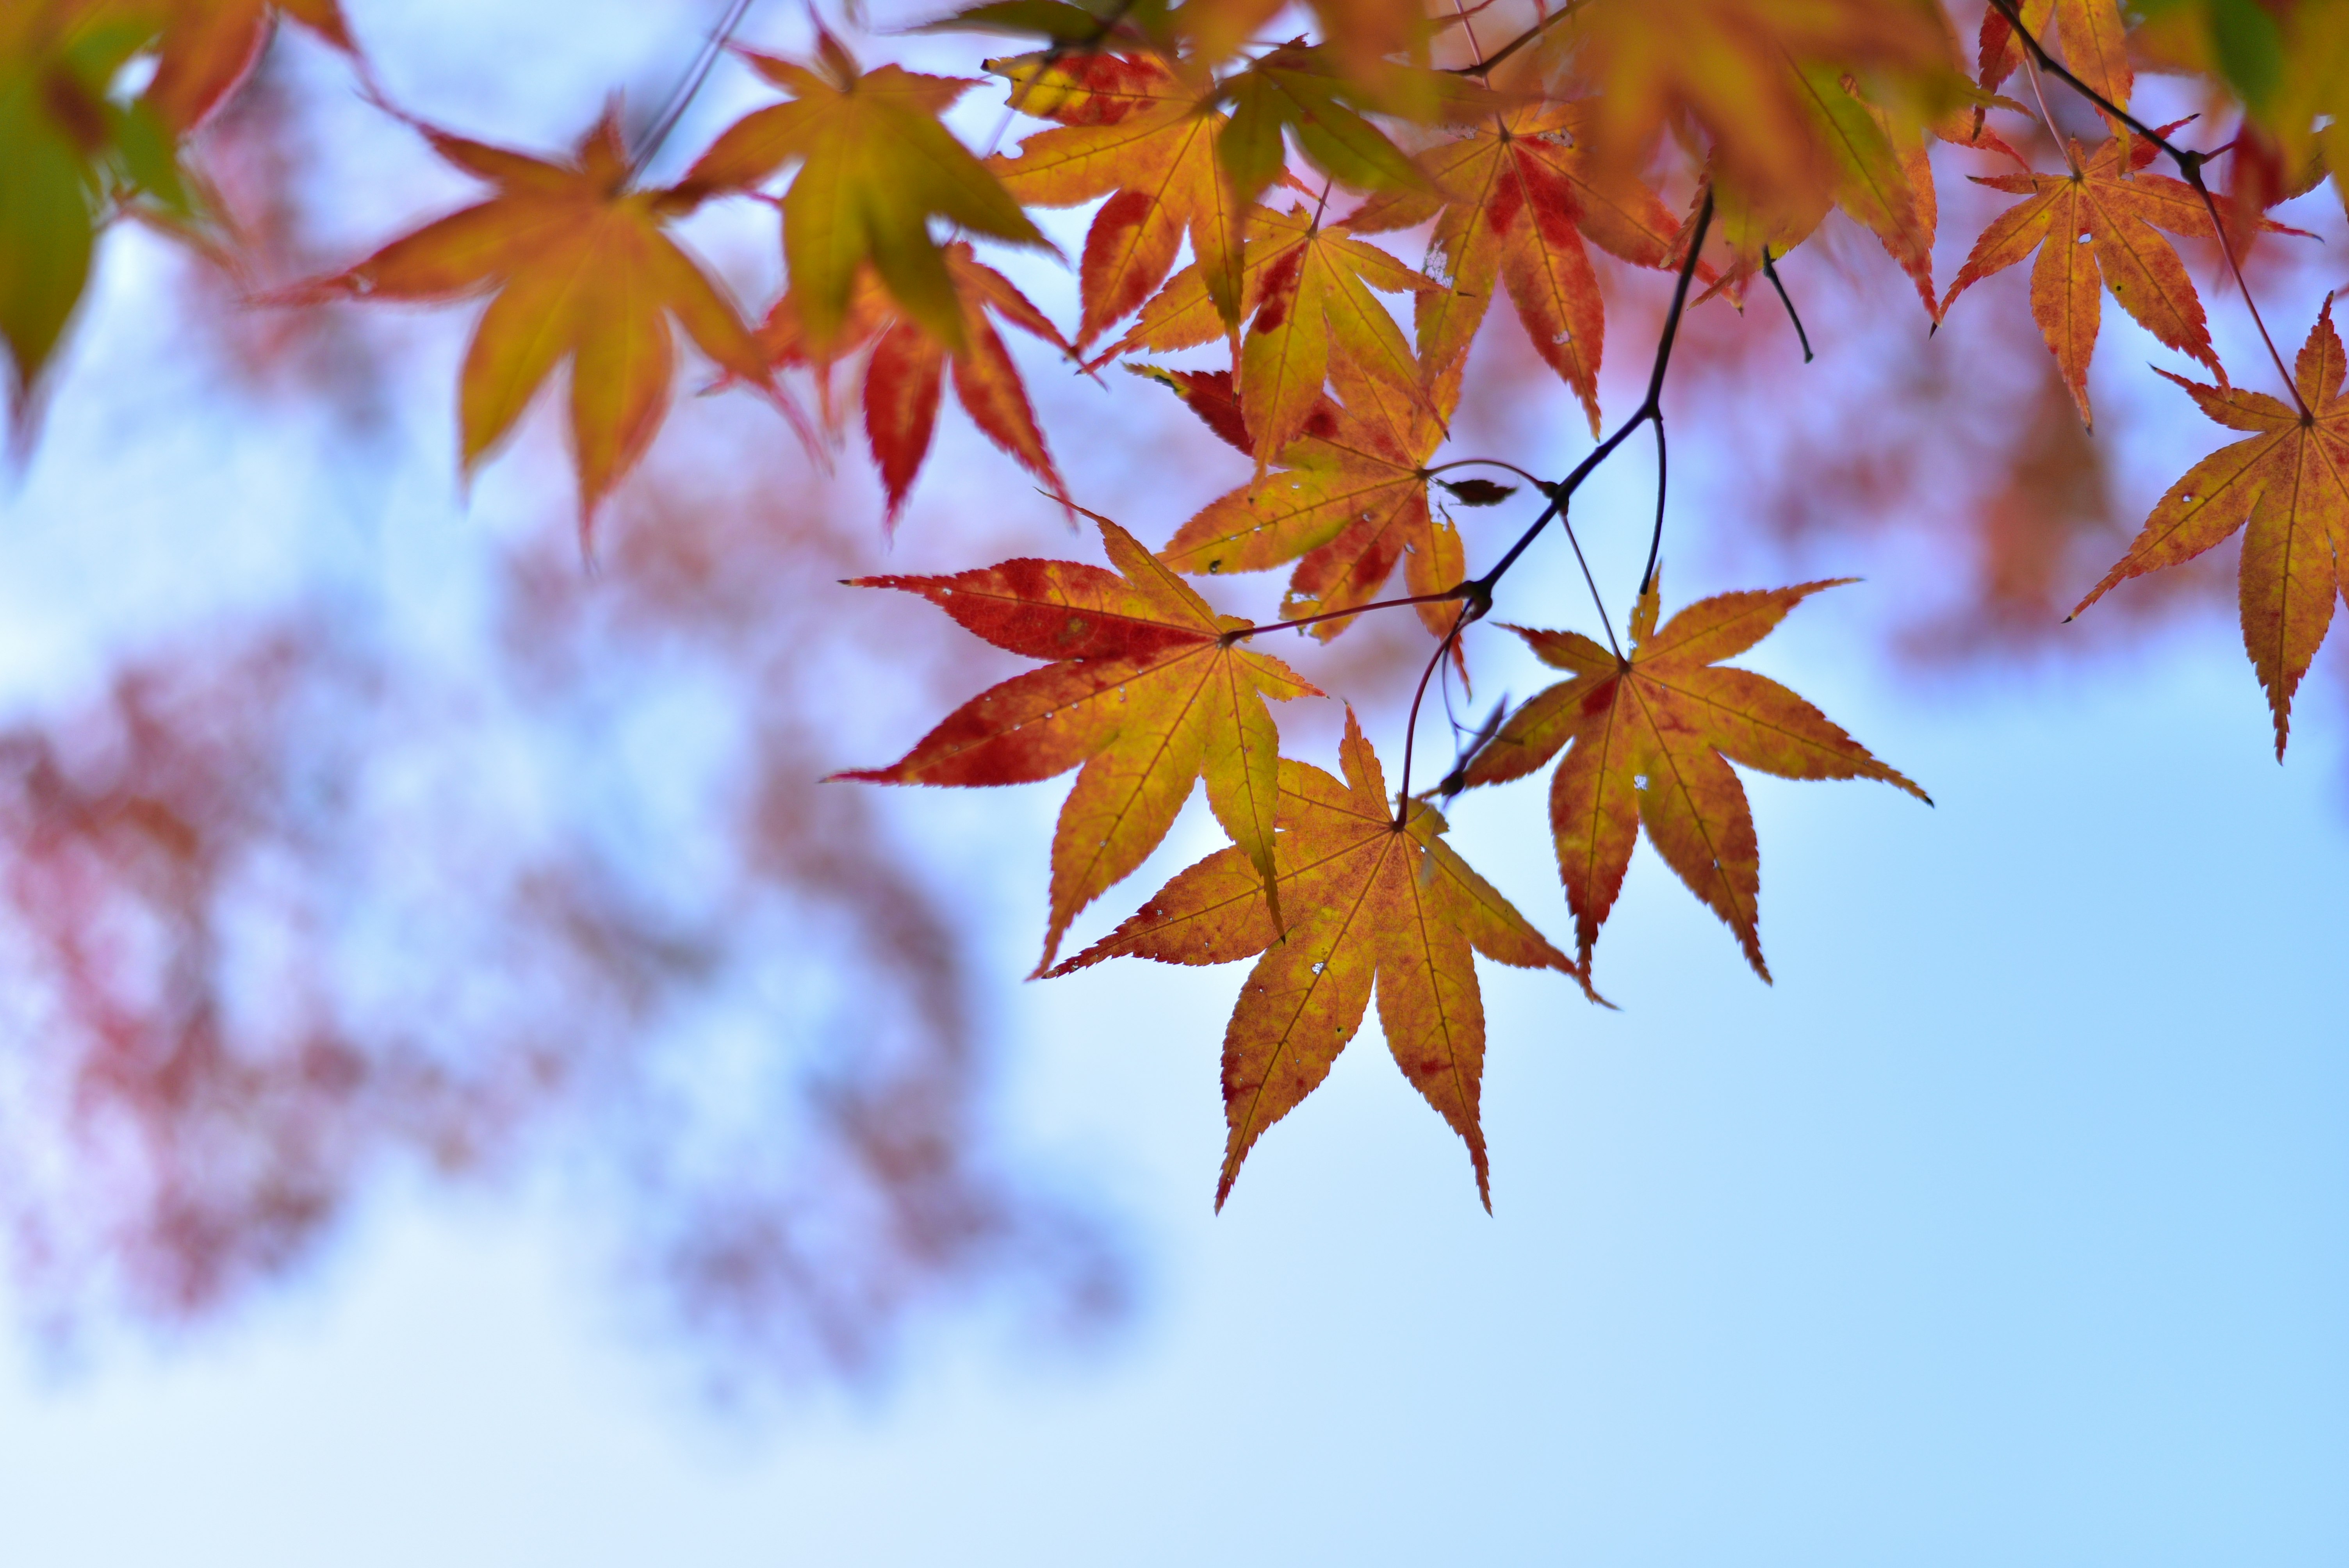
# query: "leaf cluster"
[[1247, 193]]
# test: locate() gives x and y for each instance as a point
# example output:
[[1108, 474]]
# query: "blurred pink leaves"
[[286, 912]]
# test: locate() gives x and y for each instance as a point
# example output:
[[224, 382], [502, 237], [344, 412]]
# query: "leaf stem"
[[1410, 725], [688, 89], [2189, 168], [1483, 67], [1539, 484], [1243, 632], [1598, 599]]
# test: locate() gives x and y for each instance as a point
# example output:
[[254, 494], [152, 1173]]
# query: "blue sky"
[[2010, 1225]]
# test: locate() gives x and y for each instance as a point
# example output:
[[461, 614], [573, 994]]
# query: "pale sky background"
[[2009, 1226]]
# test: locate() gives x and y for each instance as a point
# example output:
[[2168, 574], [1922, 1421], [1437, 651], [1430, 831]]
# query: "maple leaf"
[[906, 373], [1649, 739], [1512, 201], [1137, 132], [1308, 288], [2287, 487], [875, 167], [1376, 905], [581, 269], [2094, 227], [1148, 691], [208, 46], [1351, 501], [73, 157]]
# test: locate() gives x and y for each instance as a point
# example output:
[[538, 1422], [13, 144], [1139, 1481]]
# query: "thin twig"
[[1770, 271], [688, 89], [1476, 594], [2189, 168], [1479, 592], [1656, 539]]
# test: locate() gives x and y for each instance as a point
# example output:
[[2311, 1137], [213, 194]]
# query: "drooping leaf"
[[1512, 198], [1147, 692], [581, 267], [2287, 486], [1373, 905], [2096, 227], [907, 367], [875, 165], [1649, 738]]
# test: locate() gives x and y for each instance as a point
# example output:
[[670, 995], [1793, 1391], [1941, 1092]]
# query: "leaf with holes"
[[1375, 905], [1148, 692], [2287, 486], [1649, 739]]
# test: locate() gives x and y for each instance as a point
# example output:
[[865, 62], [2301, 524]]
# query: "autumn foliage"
[[1326, 209]]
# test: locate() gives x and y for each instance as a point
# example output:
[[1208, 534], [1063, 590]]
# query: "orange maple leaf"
[[1349, 502], [1307, 291], [583, 269], [875, 165], [1149, 691], [905, 374], [2288, 486], [1135, 130], [2094, 227], [1649, 738], [1375, 902], [1512, 202]]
